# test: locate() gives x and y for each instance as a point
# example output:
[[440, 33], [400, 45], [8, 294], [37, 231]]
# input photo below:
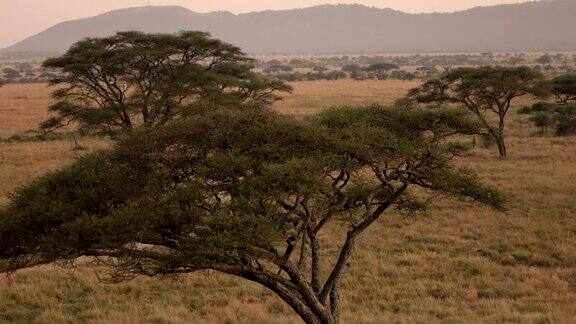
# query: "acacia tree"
[[243, 193], [564, 88], [117, 83], [11, 74], [380, 71], [544, 59], [484, 91]]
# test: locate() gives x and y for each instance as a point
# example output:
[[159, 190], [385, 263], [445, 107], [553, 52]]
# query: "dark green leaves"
[[561, 116], [132, 79], [483, 87], [483, 91], [220, 189], [564, 87]]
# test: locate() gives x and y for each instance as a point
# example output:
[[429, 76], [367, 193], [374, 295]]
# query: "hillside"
[[531, 26]]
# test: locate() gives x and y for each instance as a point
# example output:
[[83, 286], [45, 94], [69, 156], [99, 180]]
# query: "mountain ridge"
[[344, 28]]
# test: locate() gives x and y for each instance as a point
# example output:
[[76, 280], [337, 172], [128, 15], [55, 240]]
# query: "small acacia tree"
[[484, 91], [544, 59], [380, 71], [564, 88], [243, 193], [11, 74], [117, 83]]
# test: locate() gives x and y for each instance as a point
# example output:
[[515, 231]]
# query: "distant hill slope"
[[538, 25]]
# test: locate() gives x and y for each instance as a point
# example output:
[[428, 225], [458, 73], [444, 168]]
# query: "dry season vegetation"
[[447, 264]]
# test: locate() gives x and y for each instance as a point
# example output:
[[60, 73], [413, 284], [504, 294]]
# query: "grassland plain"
[[454, 263]]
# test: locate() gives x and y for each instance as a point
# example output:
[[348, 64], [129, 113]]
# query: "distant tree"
[[291, 77], [513, 61], [566, 116], [320, 69], [381, 71], [484, 91], [296, 62], [274, 62], [245, 194], [542, 114], [564, 88], [47, 76], [24, 67], [11, 74], [353, 68], [544, 59], [427, 72], [543, 121], [336, 75], [545, 115], [278, 69], [132, 79], [402, 75], [354, 71]]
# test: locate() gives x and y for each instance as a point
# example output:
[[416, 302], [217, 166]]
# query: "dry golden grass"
[[455, 263], [22, 107], [22, 162], [310, 97]]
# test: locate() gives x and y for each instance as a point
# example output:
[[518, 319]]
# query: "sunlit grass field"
[[455, 262]]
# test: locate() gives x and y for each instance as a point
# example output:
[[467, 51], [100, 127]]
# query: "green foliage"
[[45, 214], [230, 163], [485, 87], [542, 120], [564, 88], [561, 116], [483, 91], [230, 189], [566, 115], [380, 71], [117, 83], [544, 59]]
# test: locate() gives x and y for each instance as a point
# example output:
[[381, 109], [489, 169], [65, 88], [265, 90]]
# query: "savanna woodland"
[[201, 174]]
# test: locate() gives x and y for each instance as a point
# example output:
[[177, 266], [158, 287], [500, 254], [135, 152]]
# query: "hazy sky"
[[23, 18]]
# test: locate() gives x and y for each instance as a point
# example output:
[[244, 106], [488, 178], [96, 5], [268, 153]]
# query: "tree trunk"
[[501, 141], [335, 302], [298, 304]]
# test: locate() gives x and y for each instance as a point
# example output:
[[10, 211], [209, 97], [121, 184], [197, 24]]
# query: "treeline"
[[26, 72], [415, 60], [406, 67], [359, 67], [378, 71]]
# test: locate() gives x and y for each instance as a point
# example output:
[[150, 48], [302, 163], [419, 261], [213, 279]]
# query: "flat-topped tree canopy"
[[115, 84], [564, 88], [243, 192], [484, 91]]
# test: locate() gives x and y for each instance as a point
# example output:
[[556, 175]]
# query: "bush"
[[546, 115], [566, 115]]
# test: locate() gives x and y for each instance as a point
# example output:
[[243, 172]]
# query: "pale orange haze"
[[23, 18]]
